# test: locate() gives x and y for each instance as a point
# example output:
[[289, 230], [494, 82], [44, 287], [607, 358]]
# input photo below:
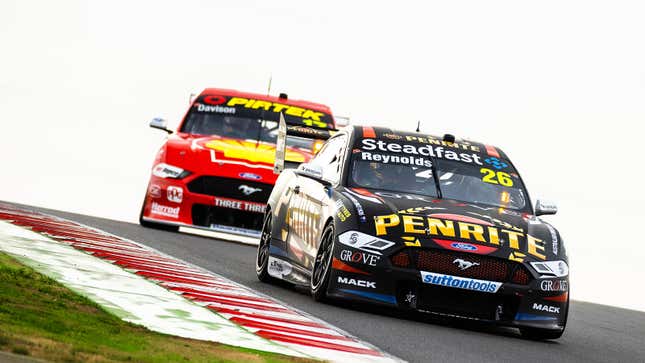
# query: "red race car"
[[216, 170]]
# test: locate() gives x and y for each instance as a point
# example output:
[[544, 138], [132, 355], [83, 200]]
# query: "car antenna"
[[418, 126], [269, 88]]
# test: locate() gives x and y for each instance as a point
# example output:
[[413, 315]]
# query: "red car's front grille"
[[462, 264], [231, 188]]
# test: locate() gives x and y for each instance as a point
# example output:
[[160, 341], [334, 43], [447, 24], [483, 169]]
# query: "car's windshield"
[[465, 177], [244, 128]]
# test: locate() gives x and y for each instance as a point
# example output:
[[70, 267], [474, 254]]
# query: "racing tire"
[[322, 265], [540, 334], [160, 226], [262, 258]]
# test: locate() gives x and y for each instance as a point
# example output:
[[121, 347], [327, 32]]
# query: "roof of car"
[[234, 93], [391, 135]]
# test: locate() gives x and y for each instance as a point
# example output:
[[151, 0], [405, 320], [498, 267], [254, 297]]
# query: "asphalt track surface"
[[595, 333]]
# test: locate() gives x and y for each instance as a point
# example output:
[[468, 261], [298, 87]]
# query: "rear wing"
[[285, 131]]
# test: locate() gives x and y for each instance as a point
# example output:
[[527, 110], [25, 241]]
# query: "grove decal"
[[359, 257], [554, 285]]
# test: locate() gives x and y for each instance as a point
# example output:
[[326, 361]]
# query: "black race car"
[[413, 221]]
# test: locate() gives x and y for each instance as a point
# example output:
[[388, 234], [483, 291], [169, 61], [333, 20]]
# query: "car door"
[[308, 200]]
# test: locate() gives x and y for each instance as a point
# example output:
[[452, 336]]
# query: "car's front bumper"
[[512, 304]]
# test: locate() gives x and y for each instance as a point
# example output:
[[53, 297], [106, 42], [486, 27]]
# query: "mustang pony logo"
[[247, 190], [463, 264]]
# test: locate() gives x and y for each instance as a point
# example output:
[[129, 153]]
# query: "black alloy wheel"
[[321, 270], [262, 259]]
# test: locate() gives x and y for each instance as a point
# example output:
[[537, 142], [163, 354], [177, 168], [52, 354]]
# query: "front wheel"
[[321, 270], [262, 259]]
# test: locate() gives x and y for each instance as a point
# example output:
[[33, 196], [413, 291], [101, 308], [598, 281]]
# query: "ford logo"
[[250, 176], [464, 246]]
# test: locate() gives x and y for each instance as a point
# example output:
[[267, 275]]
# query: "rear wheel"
[[321, 270], [262, 259], [148, 224]]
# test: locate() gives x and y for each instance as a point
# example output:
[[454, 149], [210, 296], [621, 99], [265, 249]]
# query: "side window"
[[329, 158]]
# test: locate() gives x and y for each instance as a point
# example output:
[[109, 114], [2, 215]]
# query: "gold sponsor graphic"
[[341, 211], [251, 151], [303, 218], [472, 232], [516, 256], [464, 145], [392, 136], [310, 117]]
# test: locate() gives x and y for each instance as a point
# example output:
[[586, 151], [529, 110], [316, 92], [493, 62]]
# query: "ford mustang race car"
[[216, 171], [431, 224]]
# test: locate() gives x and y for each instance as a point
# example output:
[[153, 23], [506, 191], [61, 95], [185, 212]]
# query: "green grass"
[[43, 319]]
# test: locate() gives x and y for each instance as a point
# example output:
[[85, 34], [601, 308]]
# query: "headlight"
[[164, 170], [551, 268]]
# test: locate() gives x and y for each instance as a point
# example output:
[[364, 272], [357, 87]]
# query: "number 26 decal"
[[493, 177]]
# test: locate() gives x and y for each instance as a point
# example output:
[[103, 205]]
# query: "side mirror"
[[161, 124], [312, 171], [544, 207], [341, 121]]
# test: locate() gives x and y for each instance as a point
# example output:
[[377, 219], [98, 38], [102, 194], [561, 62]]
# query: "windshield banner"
[[261, 109]]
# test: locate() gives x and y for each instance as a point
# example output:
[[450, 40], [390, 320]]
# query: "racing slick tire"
[[161, 226], [262, 258], [322, 265]]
